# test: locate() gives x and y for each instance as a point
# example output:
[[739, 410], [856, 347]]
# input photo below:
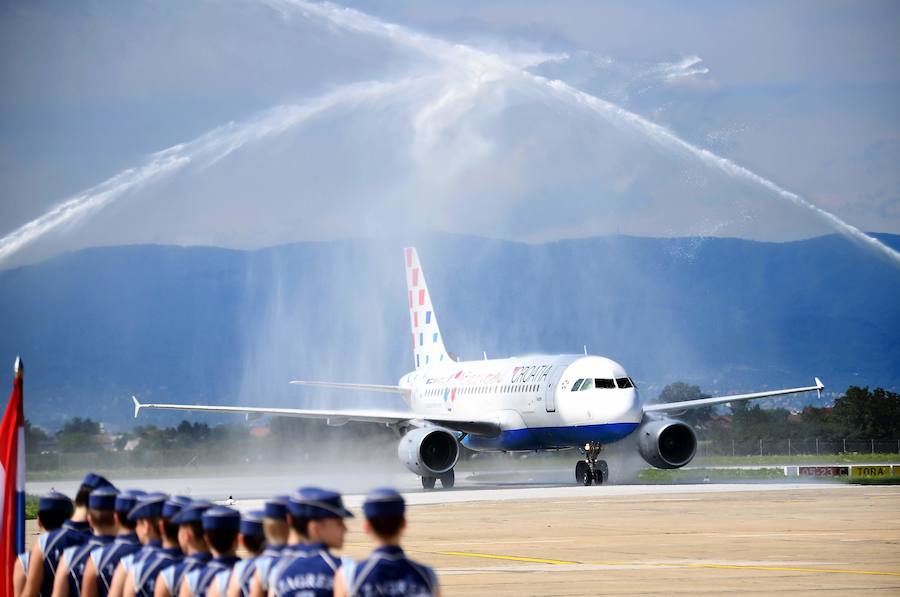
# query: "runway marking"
[[707, 565]]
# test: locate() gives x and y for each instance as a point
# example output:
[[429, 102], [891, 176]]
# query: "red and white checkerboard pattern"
[[428, 345]]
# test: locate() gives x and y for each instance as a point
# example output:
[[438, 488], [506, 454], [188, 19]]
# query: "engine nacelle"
[[667, 443], [429, 451]]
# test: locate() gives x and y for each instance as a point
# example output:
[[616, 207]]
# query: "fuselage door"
[[548, 387]]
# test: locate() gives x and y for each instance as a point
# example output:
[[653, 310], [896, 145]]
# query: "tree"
[[754, 422], [33, 437], [679, 392], [861, 414], [78, 435], [79, 425]]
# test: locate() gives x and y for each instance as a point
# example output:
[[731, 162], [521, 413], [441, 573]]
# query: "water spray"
[[353, 20], [205, 150]]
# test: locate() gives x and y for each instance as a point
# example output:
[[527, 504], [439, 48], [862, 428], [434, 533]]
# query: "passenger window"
[[576, 385], [624, 382], [587, 384], [605, 384]]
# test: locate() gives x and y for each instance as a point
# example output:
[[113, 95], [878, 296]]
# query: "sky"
[[253, 123]]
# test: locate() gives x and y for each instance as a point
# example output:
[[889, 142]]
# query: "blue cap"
[[192, 512], [93, 480], [252, 523], [384, 502], [312, 502], [221, 518], [103, 498], [174, 505], [55, 501], [126, 499], [277, 507], [148, 506]]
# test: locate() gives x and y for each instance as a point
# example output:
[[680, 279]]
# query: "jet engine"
[[667, 443], [429, 451]]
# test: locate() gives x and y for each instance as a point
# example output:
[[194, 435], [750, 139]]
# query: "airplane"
[[526, 403]]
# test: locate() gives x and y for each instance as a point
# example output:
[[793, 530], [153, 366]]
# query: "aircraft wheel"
[[601, 473], [428, 482], [448, 479], [583, 473]]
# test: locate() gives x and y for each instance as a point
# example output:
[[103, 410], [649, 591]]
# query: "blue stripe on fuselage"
[[542, 438]]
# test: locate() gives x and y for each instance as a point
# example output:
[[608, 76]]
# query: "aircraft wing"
[[353, 386], [486, 427], [668, 406]]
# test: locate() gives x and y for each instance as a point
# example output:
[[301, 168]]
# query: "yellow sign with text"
[[870, 471]]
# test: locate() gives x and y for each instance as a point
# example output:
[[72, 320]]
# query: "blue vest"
[[77, 558], [176, 572], [388, 572], [52, 546], [106, 559], [25, 559], [201, 577], [272, 558], [311, 575], [148, 566], [244, 571]]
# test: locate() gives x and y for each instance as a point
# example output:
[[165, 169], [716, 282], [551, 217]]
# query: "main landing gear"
[[591, 470], [447, 480]]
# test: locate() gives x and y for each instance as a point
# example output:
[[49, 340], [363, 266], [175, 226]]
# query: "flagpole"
[[19, 381]]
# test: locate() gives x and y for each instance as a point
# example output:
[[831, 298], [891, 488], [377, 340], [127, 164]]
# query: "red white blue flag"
[[12, 482]]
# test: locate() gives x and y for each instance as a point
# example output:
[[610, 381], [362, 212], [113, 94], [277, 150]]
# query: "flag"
[[12, 482]]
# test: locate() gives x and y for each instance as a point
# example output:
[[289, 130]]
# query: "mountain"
[[200, 324]]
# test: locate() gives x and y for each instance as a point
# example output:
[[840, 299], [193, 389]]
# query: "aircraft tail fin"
[[428, 344]]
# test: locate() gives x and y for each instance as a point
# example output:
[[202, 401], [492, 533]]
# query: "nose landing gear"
[[591, 470]]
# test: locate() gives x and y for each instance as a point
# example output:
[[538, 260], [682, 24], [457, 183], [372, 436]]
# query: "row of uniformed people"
[[132, 543]]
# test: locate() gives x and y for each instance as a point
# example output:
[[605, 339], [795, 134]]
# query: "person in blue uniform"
[[79, 520], [140, 577], [103, 560], [102, 518], [74, 531], [280, 536], [148, 508], [312, 574], [154, 516], [221, 526], [387, 571], [54, 509], [236, 582], [193, 544]]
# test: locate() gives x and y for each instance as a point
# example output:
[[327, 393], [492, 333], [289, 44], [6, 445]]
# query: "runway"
[[650, 539]]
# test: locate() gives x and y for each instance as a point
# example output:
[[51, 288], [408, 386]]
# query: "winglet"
[[137, 406], [819, 387]]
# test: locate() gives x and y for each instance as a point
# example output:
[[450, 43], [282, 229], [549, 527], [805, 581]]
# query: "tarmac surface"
[[651, 539]]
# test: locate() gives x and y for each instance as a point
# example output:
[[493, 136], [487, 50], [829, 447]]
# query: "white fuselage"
[[532, 398]]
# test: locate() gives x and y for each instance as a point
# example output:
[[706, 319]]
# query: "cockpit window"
[[624, 382], [605, 384], [587, 384], [576, 385]]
